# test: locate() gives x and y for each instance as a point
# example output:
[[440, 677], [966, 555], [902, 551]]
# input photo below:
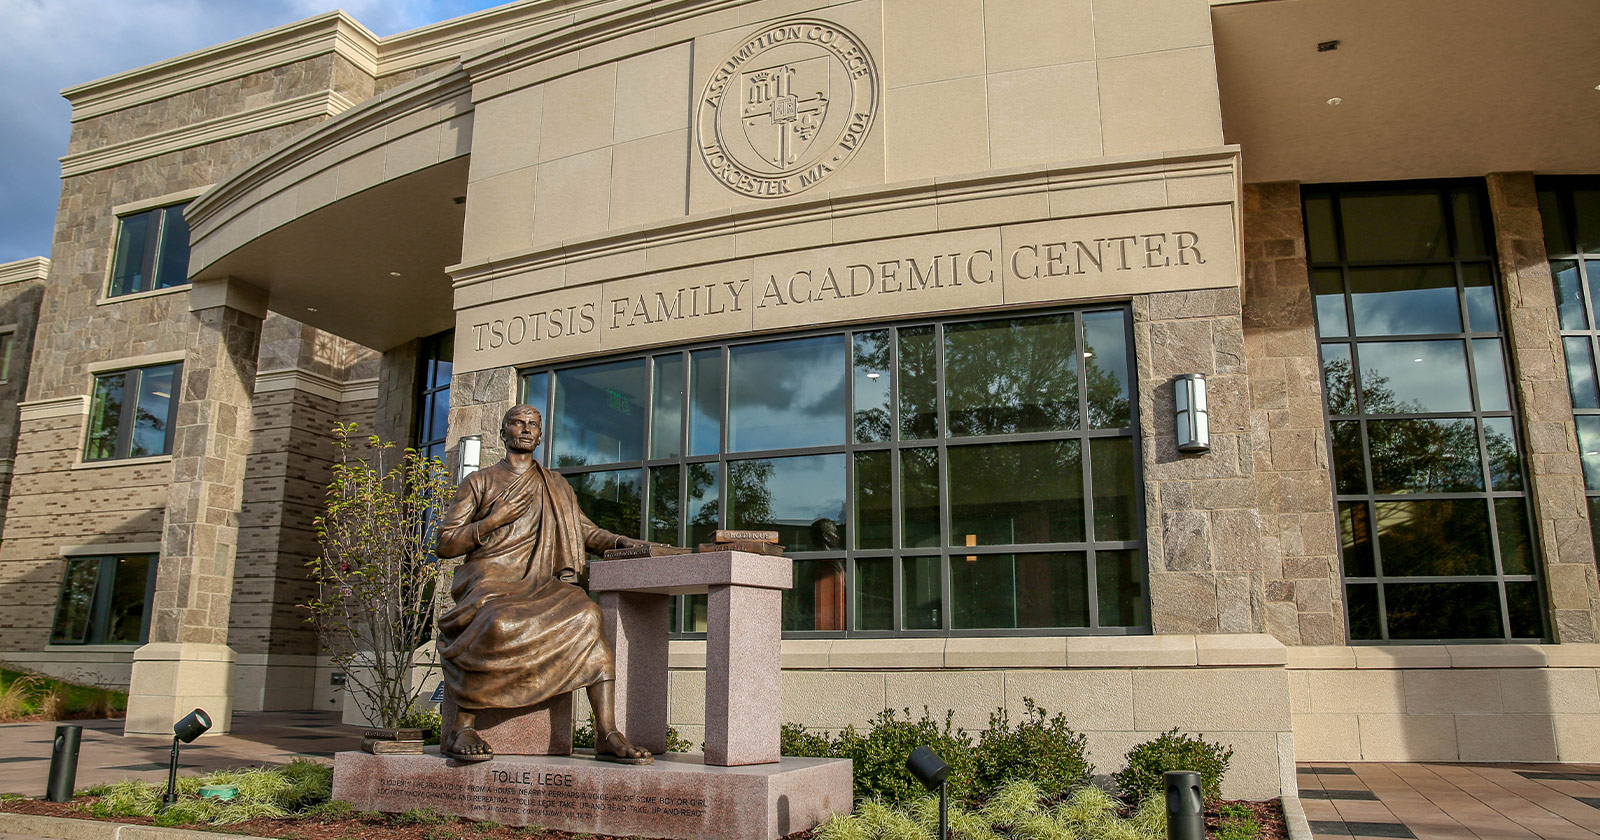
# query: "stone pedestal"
[[172, 679], [678, 797], [744, 694], [543, 729]]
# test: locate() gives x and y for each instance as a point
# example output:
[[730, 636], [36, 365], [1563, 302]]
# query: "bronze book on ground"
[[726, 536], [750, 546], [651, 550], [392, 734], [383, 746]]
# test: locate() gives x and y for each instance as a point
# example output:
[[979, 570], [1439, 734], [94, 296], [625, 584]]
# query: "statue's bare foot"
[[467, 745], [613, 746]]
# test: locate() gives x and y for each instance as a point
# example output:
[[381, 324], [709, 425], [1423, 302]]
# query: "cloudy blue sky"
[[47, 45]]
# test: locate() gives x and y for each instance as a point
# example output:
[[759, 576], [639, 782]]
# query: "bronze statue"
[[521, 632]]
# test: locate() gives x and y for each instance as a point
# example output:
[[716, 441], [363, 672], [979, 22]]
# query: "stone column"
[[1289, 441], [1555, 470], [187, 662]]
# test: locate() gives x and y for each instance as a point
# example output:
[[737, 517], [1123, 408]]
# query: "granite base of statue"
[[739, 789]]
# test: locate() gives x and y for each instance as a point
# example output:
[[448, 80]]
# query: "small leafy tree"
[[377, 572]]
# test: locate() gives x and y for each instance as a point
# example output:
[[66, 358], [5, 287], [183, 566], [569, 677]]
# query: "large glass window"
[[152, 251], [130, 413], [433, 393], [967, 476], [105, 600], [1570, 209], [1426, 457]]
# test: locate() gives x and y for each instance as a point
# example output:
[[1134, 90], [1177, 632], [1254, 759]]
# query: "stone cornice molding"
[[296, 379], [324, 103], [376, 114], [577, 31], [863, 201], [73, 406], [334, 32], [451, 39], [31, 268]]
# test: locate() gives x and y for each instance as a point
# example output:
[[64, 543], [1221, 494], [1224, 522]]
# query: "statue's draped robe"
[[517, 636]]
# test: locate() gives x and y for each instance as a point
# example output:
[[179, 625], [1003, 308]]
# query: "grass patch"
[[300, 787], [26, 696]]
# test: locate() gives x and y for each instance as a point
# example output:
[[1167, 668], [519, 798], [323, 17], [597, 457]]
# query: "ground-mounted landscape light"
[[185, 731], [1193, 421], [932, 771]]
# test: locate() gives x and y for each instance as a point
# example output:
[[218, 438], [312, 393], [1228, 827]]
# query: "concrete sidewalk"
[[105, 755], [1452, 801]]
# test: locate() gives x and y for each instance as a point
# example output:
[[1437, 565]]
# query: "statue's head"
[[522, 428]]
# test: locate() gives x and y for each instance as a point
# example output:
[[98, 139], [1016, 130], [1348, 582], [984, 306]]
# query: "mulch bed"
[[1268, 813]]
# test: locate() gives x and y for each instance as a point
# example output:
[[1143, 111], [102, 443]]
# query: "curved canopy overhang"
[[349, 227], [1420, 89]]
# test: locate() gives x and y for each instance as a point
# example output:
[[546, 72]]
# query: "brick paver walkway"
[[1454, 801], [105, 755]]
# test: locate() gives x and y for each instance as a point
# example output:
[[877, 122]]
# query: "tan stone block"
[[1033, 33], [649, 179], [915, 216], [682, 304], [1163, 651], [1092, 699], [1160, 101], [653, 93], [505, 132], [832, 699], [1299, 693], [1459, 692], [1113, 195], [1350, 691], [930, 41], [1506, 737], [686, 653], [1211, 699], [959, 107], [1006, 652], [1044, 114], [1201, 189], [967, 204], [1401, 656], [607, 264], [415, 151], [972, 695], [686, 698], [806, 653], [1496, 656], [1124, 27], [1217, 649], [357, 174], [1577, 737], [1572, 655], [1326, 737], [1408, 737], [1259, 766], [586, 103], [756, 235], [887, 653], [1539, 690], [499, 215], [700, 249], [572, 197]]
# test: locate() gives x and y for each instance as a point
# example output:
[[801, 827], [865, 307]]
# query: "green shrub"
[[1147, 762], [426, 720], [879, 755], [1237, 823], [796, 740], [1018, 811], [331, 810], [583, 736], [264, 793], [1044, 750]]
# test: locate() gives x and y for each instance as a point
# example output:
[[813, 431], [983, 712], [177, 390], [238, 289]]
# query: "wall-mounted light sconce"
[[1194, 427], [470, 455]]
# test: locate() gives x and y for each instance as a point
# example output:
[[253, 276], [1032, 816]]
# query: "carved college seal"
[[787, 107]]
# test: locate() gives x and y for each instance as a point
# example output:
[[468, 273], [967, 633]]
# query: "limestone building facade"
[[918, 284]]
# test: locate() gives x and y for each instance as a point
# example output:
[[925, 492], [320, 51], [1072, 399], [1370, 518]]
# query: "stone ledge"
[[1013, 652], [1392, 657], [31, 825]]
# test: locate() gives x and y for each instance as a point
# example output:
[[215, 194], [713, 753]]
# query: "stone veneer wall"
[[19, 307], [1549, 433], [1118, 691], [1294, 488], [1208, 556], [1446, 703]]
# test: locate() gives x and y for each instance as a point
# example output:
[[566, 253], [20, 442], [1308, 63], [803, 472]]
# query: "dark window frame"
[[130, 406], [433, 377], [160, 237], [1476, 413], [1090, 547], [100, 607]]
